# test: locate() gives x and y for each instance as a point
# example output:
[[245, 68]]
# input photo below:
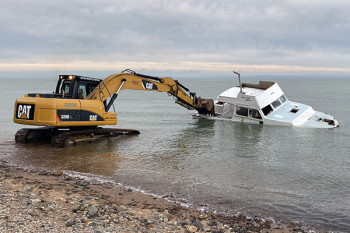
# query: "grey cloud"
[[254, 32]]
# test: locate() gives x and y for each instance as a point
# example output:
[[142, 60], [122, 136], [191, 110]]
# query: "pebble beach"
[[51, 201]]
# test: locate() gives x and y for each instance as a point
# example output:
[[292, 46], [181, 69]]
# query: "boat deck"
[[288, 112]]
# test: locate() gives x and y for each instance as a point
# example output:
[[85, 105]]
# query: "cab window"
[[253, 113], [248, 112], [267, 110], [242, 111], [90, 87], [82, 91], [65, 87], [85, 88]]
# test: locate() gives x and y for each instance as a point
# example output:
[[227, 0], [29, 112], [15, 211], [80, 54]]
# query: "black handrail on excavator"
[[129, 71]]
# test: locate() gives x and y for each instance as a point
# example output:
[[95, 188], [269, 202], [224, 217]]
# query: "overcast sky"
[[255, 37]]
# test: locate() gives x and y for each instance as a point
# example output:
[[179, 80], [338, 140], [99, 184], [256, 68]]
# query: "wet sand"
[[51, 201]]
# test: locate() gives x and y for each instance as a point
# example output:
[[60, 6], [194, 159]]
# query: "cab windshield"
[[65, 87]]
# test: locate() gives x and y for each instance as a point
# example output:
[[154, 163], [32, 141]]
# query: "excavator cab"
[[75, 87], [71, 87]]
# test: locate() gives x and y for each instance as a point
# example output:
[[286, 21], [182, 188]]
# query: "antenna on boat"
[[239, 80]]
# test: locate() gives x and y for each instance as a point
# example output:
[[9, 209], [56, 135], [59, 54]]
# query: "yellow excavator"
[[79, 105]]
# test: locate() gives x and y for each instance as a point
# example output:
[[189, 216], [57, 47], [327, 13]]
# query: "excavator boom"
[[128, 79]]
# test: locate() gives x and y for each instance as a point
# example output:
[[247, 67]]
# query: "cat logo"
[[93, 117], [149, 86], [25, 111]]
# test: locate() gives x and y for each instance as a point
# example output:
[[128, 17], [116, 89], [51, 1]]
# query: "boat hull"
[[317, 120]]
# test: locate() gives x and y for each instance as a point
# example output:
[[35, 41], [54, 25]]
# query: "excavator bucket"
[[205, 106]]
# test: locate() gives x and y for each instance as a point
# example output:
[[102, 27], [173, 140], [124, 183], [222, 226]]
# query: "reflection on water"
[[193, 139], [100, 158]]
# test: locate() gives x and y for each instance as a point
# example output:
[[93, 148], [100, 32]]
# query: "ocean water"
[[272, 172]]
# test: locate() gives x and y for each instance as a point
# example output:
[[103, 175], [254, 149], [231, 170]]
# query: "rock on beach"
[[57, 173]]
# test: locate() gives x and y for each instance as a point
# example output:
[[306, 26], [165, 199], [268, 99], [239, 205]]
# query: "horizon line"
[[161, 66]]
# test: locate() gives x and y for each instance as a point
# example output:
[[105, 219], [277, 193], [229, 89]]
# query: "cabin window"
[[267, 110], [242, 111], [90, 87], [82, 91], [253, 113], [65, 87], [276, 103], [283, 99]]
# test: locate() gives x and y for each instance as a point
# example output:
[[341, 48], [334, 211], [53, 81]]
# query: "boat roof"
[[234, 91], [255, 95], [248, 89]]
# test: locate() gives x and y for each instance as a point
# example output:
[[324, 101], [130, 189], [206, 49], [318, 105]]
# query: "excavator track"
[[62, 138], [74, 137], [27, 135]]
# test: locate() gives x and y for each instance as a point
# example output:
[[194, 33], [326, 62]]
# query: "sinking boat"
[[265, 103]]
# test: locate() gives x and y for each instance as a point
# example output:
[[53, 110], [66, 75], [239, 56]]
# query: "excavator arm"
[[128, 79]]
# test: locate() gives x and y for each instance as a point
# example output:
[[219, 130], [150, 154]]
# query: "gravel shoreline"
[[51, 201]]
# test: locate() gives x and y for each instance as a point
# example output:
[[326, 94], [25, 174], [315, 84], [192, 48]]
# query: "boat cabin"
[[256, 101]]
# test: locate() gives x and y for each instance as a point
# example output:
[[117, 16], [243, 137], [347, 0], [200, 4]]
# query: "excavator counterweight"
[[80, 104]]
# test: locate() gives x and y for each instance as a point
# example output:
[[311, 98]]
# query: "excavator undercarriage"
[[65, 137]]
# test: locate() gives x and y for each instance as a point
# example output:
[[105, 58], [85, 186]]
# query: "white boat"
[[265, 103]]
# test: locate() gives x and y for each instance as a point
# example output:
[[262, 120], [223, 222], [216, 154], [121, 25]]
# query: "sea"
[[270, 172]]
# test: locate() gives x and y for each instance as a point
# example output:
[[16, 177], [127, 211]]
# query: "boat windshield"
[[283, 99], [276, 103]]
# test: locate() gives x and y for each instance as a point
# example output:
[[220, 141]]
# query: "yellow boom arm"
[[128, 79]]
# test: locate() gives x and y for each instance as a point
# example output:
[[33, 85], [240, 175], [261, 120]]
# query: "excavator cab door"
[[65, 86], [91, 111], [66, 90]]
